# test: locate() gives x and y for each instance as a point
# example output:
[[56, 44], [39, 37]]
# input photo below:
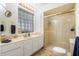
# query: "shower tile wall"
[[57, 30]]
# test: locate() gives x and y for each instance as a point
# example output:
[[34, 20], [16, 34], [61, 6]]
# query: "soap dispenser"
[[13, 28], [1, 27]]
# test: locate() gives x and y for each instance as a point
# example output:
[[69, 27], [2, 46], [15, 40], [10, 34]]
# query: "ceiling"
[[61, 9], [45, 6]]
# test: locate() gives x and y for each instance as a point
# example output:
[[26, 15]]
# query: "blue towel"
[[76, 47]]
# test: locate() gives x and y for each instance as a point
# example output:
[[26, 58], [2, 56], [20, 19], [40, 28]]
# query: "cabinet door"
[[13, 49], [14, 52], [35, 44], [40, 44], [28, 47]]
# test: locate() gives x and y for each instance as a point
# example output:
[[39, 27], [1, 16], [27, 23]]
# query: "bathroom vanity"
[[22, 46]]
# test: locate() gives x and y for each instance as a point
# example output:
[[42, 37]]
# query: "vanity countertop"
[[13, 40], [20, 39]]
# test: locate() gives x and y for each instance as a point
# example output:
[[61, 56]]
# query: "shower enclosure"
[[58, 29]]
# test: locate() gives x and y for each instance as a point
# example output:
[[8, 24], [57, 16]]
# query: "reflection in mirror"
[[2, 21], [7, 10]]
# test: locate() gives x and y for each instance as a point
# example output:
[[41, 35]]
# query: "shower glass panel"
[[58, 30]]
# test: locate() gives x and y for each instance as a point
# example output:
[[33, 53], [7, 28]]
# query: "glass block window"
[[25, 20]]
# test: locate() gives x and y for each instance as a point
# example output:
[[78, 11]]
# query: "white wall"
[[77, 19]]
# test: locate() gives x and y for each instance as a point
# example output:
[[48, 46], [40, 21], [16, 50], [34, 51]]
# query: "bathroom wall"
[[77, 19], [7, 21]]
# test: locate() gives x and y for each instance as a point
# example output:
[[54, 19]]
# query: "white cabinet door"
[[35, 44], [13, 49], [15, 52], [28, 47], [32, 45], [41, 41]]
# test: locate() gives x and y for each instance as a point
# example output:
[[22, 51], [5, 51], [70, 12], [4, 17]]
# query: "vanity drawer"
[[9, 47]]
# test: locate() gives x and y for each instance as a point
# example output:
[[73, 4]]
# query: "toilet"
[[58, 51]]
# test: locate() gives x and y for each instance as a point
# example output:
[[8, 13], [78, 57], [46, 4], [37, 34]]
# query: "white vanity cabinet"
[[32, 45], [41, 42], [37, 43], [24, 47], [12, 49], [27, 47]]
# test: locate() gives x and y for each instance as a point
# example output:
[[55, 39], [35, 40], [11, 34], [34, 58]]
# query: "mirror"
[[8, 17]]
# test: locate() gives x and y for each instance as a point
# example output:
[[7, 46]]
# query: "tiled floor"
[[46, 52]]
